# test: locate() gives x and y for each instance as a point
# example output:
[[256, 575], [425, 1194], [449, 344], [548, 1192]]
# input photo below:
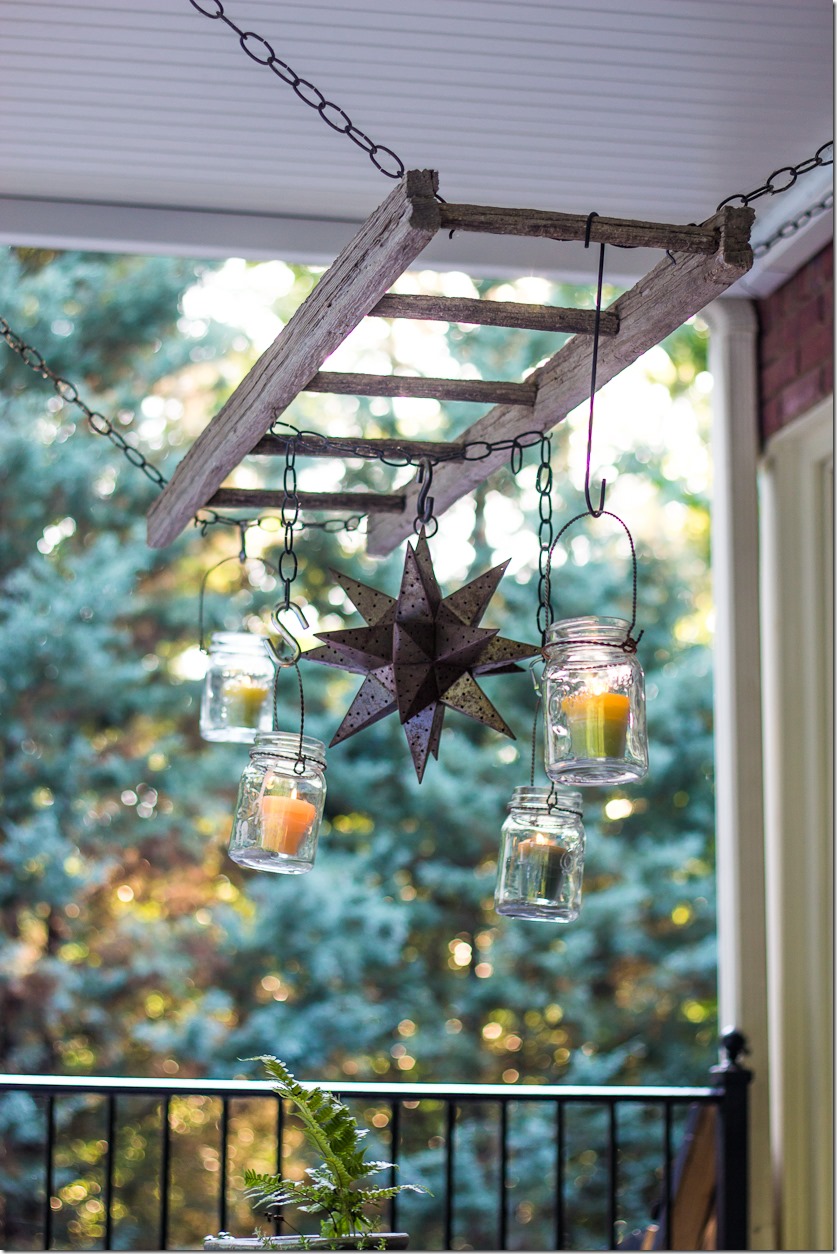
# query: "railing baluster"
[[109, 1169], [668, 1111], [503, 1219], [450, 1110], [394, 1148], [49, 1182], [280, 1152], [224, 1150], [165, 1161], [559, 1176], [612, 1171]]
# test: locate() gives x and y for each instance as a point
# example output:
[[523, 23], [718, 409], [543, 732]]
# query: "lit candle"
[[285, 822], [598, 723], [244, 697], [541, 863]]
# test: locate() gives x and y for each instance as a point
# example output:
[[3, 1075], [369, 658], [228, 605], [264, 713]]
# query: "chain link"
[[546, 535], [259, 50], [68, 392], [770, 187], [789, 228], [289, 562], [467, 451]]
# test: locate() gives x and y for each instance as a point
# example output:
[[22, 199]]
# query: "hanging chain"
[[770, 187], [546, 535], [464, 451], [260, 51], [288, 562], [69, 394], [100, 425], [789, 228]]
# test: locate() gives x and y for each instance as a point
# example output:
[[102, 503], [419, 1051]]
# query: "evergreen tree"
[[131, 945]]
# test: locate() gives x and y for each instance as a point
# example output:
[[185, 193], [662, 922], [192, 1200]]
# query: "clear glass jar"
[[280, 806], [594, 704], [541, 856], [237, 697]]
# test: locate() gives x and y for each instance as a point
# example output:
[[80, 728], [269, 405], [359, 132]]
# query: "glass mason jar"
[[237, 697], [541, 856], [594, 704], [280, 806]]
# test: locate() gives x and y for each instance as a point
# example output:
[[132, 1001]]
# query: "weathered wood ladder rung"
[[489, 391], [703, 260], [495, 313], [272, 498]]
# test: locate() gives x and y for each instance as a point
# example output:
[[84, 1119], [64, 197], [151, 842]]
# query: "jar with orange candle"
[[541, 860], [280, 804], [594, 703]]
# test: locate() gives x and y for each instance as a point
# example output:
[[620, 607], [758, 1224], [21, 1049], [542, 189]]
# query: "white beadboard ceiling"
[[141, 123]]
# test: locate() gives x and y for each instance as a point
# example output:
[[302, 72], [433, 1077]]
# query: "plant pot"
[[360, 1241]]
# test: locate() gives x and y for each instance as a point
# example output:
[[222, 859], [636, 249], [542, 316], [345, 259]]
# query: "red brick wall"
[[796, 344]]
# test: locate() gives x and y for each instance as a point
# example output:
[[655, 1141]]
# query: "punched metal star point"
[[419, 653]]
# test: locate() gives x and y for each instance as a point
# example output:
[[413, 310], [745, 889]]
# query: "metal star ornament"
[[420, 653]]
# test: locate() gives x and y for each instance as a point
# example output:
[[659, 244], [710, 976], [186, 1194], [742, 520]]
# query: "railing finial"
[[733, 1043]]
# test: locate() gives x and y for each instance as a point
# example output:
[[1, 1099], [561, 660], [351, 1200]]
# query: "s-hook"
[[424, 501], [287, 638]]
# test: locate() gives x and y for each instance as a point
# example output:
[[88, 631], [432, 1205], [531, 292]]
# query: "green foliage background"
[[130, 944]]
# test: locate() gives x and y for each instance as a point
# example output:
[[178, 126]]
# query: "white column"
[[742, 957], [798, 638]]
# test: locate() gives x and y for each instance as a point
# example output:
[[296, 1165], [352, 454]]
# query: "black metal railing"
[[153, 1164]]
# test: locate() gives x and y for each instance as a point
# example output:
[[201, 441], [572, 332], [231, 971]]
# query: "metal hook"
[[280, 657], [596, 513], [424, 503]]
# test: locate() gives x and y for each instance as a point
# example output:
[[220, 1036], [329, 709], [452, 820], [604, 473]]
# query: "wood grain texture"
[[389, 240], [651, 310], [272, 498], [344, 449], [627, 233], [494, 313], [495, 390]]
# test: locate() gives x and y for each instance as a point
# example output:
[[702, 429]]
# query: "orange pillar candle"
[[285, 822], [598, 723]]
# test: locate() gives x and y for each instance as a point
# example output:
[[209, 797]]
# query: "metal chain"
[[466, 451], [100, 425], [769, 187], [546, 535], [259, 50], [69, 393], [789, 228], [288, 562]]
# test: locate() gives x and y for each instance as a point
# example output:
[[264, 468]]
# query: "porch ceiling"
[[144, 125]]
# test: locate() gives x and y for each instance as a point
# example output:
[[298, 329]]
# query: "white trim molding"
[[742, 962], [798, 596]]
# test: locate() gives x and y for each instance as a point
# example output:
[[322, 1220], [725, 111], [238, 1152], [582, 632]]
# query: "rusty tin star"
[[420, 653]]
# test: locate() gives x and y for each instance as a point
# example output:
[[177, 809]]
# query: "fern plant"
[[333, 1187]]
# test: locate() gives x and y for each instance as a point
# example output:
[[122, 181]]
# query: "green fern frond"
[[335, 1134], [328, 1124]]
